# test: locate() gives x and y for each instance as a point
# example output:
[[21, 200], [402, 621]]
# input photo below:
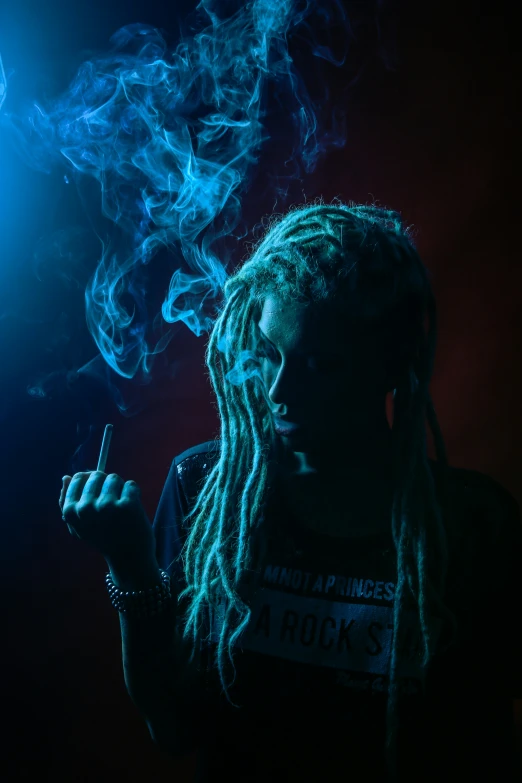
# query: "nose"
[[284, 390]]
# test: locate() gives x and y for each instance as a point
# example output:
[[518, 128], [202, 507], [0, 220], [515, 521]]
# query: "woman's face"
[[320, 374]]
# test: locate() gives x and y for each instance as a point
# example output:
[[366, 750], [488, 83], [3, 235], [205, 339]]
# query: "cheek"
[[326, 403], [341, 402], [322, 395], [334, 389]]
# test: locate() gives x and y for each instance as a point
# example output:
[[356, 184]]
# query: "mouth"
[[286, 427]]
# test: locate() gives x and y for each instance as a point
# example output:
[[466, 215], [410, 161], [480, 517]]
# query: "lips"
[[287, 426]]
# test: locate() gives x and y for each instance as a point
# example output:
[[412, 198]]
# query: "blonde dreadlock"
[[364, 256]]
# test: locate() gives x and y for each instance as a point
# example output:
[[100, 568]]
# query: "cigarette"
[[104, 451]]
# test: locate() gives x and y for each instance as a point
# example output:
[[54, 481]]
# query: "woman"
[[313, 544]]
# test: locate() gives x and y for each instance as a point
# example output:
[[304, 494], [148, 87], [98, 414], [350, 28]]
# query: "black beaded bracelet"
[[142, 603]]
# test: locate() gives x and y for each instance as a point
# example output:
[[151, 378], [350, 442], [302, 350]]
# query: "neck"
[[368, 458], [345, 497]]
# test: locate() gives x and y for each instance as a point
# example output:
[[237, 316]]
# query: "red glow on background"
[[436, 140]]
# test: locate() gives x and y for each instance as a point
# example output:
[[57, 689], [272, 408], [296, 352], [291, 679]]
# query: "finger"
[[112, 486], [75, 488], [93, 485], [130, 491], [66, 480]]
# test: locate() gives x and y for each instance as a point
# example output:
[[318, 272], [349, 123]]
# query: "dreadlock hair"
[[363, 257]]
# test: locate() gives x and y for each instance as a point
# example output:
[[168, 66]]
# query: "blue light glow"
[[172, 138]]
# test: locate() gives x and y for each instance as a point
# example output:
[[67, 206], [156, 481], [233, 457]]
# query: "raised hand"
[[106, 512]]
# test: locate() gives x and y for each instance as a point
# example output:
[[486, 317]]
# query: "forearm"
[[159, 678]]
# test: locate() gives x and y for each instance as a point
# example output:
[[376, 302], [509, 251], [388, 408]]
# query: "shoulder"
[[481, 506], [192, 454], [194, 464], [484, 493]]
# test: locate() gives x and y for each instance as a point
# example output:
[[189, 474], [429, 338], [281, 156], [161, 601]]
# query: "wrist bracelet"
[[141, 603]]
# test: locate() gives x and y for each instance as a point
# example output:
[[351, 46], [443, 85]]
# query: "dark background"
[[436, 137]]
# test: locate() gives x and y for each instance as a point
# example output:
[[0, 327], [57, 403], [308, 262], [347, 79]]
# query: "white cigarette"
[[104, 451]]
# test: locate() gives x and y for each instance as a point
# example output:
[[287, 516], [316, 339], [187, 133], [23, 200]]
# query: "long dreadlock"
[[364, 257]]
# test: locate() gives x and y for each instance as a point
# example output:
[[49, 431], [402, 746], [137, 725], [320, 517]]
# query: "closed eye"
[[322, 361], [267, 346]]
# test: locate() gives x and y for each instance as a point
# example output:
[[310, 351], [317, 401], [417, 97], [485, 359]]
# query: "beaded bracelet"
[[142, 603]]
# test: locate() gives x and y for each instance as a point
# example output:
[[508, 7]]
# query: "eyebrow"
[[301, 353]]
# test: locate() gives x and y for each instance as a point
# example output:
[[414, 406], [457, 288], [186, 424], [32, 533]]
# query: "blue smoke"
[[172, 138], [3, 83]]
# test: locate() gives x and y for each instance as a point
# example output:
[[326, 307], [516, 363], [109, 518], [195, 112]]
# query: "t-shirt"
[[312, 664]]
